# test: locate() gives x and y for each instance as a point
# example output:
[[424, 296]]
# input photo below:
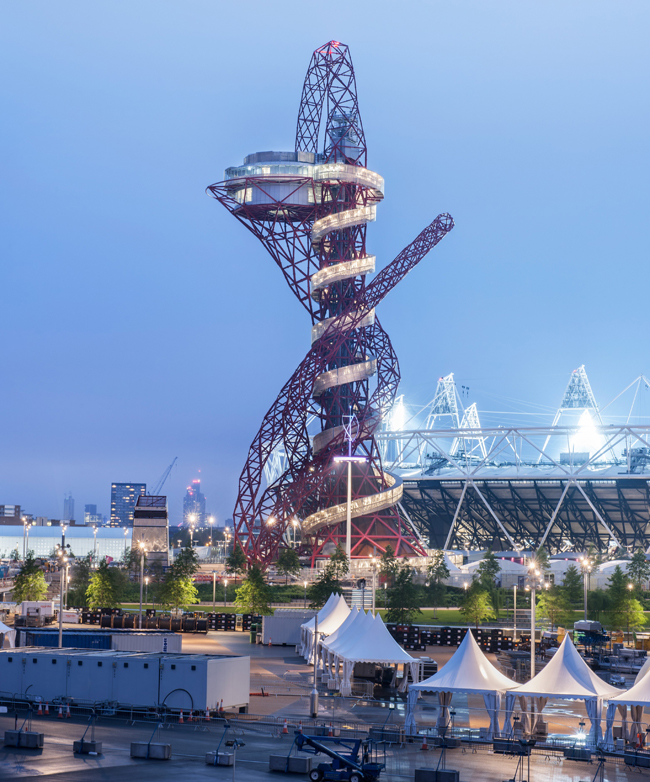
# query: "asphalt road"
[[191, 742]]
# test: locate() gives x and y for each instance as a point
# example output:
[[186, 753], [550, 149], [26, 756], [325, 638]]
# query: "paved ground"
[[190, 743]]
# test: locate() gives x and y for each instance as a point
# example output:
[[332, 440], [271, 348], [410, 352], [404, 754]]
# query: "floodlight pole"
[[352, 419], [514, 611], [313, 698], [214, 591], [532, 629]]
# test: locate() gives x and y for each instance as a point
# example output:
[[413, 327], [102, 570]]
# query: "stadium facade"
[[581, 482]]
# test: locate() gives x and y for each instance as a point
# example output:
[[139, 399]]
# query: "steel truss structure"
[[527, 487], [310, 210]]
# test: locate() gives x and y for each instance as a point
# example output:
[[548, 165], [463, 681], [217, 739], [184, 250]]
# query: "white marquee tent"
[[637, 697], [367, 640], [324, 651], [330, 618], [567, 676], [467, 671]]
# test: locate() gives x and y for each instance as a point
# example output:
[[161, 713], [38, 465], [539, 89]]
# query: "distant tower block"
[[151, 527]]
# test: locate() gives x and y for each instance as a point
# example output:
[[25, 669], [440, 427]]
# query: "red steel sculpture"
[[310, 210]]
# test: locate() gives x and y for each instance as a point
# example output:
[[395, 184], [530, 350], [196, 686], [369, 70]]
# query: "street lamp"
[[142, 553], [27, 524], [305, 583], [95, 547], [630, 587], [352, 419], [210, 522], [586, 565], [534, 574], [514, 612], [192, 520], [373, 562], [146, 591], [225, 591], [126, 532], [67, 584], [214, 591], [64, 560]]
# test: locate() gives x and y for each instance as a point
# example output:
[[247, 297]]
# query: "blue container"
[[72, 639]]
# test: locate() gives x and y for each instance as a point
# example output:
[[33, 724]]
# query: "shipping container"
[[177, 681]]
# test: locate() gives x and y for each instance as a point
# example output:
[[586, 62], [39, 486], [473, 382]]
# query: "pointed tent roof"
[[468, 670], [638, 694], [568, 676], [346, 640], [375, 645], [331, 602], [334, 618], [645, 668], [338, 633]]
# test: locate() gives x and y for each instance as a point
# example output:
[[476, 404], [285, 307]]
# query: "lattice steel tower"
[[310, 209]]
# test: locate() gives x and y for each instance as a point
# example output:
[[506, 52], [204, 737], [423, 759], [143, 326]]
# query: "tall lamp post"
[[210, 522], [192, 519], [142, 553], [126, 532], [225, 591], [373, 561], [214, 591], [534, 574], [146, 591], [586, 565], [352, 419], [630, 587], [514, 612], [27, 525], [95, 547], [305, 585], [64, 560]]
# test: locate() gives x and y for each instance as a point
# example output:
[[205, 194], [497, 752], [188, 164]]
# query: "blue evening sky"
[[142, 322]]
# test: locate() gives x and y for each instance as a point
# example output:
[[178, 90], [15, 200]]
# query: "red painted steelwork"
[[312, 481]]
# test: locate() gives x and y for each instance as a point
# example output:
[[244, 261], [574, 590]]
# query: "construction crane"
[[161, 481]]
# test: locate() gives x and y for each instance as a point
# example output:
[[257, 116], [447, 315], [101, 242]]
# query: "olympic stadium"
[[581, 481]]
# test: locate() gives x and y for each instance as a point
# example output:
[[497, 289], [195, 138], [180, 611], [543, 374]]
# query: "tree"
[[339, 562], [543, 562], [15, 555], [177, 591], [79, 581], [388, 564], [30, 582], [131, 560], [288, 563], [628, 614], [186, 563], [572, 585], [617, 587], [403, 597], [437, 572], [638, 571], [254, 595], [236, 562], [101, 591], [476, 606], [488, 570], [320, 590], [554, 605]]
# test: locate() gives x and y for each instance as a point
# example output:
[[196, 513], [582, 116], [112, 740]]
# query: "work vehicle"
[[353, 760]]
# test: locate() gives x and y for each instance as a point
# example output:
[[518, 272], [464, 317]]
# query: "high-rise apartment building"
[[123, 499], [194, 505], [68, 508]]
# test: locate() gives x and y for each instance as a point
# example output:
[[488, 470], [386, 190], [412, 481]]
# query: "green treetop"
[[403, 597], [488, 570], [572, 585], [476, 606], [554, 605], [101, 591], [254, 595], [288, 563], [388, 564], [543, 562], [339, 562], [186, 562], [30, 582], [638, 570], [236, 562], [617, 585]]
